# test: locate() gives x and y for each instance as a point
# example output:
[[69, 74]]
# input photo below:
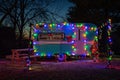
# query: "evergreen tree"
[[94, 11]]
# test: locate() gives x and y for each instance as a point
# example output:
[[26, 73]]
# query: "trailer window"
[[51, 36]]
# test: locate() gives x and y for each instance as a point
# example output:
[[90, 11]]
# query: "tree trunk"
[[20, 39]]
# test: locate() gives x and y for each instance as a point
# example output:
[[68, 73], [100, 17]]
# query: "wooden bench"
[[19, 55]]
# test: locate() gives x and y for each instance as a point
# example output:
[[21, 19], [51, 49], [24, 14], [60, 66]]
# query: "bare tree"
[[21, 12], [6, 8]]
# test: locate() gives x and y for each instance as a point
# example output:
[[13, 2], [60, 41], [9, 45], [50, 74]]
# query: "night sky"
[[60, 7]]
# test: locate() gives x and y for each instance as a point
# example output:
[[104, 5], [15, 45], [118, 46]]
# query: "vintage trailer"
[[64, 38]]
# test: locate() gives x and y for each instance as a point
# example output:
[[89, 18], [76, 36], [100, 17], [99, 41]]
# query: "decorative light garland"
[[59, 27], [109, 40]]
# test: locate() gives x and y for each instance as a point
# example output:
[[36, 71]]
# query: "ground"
[[70, 70]]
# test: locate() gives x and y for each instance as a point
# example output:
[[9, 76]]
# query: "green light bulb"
[[35, 35]]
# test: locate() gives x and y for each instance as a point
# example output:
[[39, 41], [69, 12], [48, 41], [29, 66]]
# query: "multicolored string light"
[[109, 40], [59, 27]]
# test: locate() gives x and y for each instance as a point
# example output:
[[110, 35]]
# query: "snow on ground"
[[70, 70]]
